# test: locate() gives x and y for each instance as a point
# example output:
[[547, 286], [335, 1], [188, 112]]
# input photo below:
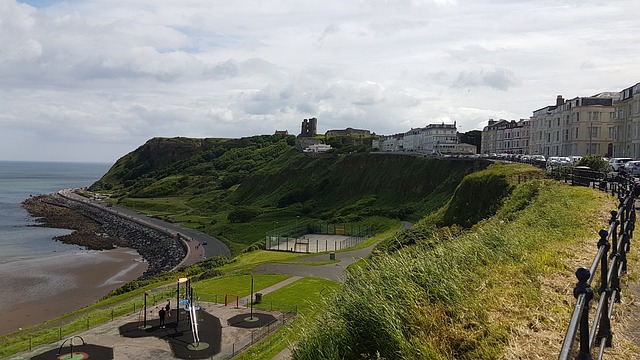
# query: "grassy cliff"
[[238, 189]]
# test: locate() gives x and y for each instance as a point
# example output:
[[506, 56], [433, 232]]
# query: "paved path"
[[334, 272]]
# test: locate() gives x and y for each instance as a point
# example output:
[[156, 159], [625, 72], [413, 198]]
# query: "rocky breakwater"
[[98, 229]]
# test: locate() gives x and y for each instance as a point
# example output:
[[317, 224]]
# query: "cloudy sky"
[[91, 80]]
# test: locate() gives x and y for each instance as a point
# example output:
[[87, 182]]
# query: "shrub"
[[242, 215]]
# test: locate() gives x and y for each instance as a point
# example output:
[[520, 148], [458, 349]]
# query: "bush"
[[242, 215], [596, 163]]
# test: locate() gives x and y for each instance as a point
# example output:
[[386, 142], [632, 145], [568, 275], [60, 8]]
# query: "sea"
[[20, 240]]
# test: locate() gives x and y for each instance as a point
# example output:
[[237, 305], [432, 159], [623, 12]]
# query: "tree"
[[595, 162]]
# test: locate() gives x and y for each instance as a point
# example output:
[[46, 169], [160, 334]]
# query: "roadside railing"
[[616, 184], [614, 243]]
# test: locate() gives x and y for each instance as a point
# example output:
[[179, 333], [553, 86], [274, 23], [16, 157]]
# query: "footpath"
[[159, 347]]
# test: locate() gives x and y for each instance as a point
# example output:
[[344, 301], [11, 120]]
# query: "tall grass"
[[443, 298]]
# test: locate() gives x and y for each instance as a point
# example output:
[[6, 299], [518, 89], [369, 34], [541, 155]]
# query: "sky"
[[92, 80]]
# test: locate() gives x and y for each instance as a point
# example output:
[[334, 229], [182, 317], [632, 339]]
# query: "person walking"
[[162, 313], [168, 308]]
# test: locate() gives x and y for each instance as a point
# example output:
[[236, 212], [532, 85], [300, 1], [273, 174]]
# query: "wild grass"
[[463, 296]]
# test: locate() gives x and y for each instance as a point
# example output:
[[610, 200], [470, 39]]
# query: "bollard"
[[583, 288]]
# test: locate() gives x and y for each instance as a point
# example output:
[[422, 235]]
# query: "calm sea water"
[[19, 240]]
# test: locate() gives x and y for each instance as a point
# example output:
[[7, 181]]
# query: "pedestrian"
[[168, 308], [162, 314]]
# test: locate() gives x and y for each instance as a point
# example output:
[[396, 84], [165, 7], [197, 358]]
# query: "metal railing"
[[595, 334]]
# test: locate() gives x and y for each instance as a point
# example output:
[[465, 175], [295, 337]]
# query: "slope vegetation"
[[495, 290]]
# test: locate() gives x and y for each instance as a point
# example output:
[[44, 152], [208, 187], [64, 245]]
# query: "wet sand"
[[38, 290]]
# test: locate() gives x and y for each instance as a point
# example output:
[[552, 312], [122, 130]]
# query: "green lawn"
[[306, 294], [303, 294], [215, 289]]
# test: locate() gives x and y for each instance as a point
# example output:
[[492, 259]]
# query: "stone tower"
[[309, 127]]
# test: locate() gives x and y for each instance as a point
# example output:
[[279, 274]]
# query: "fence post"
[[623, 254], [614, 234], [583, 288], [632, 220], [604, 328]]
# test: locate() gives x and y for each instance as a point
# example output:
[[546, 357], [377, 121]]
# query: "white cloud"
[[106, 76]]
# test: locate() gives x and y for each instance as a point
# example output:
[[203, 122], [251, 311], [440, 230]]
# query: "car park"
[[575, 159], [615, 163], [632, 167], [555, 161]]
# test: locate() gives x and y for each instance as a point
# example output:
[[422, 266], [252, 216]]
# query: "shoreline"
[[43, 289], [98, 229], [115, 251]]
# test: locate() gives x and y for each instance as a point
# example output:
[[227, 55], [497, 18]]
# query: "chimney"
[[559, 100]]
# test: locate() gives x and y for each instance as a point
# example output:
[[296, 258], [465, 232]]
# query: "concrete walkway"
[[272, 288]]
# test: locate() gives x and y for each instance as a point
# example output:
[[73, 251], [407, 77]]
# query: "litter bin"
[[258, 298], [332, 256]]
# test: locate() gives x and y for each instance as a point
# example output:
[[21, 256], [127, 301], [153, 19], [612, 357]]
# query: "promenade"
[[194, 240]]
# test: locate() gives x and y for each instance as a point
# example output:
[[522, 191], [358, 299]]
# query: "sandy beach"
[[42, 289]]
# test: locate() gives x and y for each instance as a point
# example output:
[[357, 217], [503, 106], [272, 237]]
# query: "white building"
[[317, 148], [432, 139], [389, 143]]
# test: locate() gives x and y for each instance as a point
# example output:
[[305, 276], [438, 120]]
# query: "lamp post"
[[144, 322], [251, 297]]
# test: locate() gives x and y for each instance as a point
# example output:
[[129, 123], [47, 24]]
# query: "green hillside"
[[497, 290], [238, 189]]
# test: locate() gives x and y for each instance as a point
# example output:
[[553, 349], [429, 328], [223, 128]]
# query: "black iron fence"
[[593, 334], [584, 176], [256, 335]]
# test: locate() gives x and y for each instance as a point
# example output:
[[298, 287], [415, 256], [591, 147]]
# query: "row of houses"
[[606, 124], [440, 139]]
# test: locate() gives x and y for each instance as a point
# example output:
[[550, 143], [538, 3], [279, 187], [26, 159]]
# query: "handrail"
[[616, 239]]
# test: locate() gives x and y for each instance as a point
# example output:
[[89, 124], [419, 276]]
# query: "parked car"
[[575, 159], [632, 167], [555, 161], [615, 163]]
